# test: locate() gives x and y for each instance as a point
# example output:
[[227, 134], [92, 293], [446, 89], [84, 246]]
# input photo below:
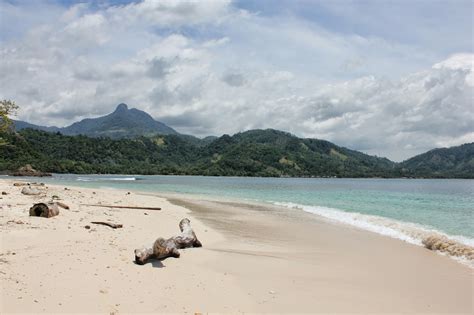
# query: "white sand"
[[252, 260]]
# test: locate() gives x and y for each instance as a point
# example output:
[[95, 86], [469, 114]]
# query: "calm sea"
[[402, 208]]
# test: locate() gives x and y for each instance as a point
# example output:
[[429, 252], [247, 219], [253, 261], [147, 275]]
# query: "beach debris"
[[62, 205], [112, 225], [20, 184], [122, 207], [445, 245], [28, 170], [163, 248], [55, 197], [44, 210], [16, 222], [4, 193], [30, 191], [87, 227]]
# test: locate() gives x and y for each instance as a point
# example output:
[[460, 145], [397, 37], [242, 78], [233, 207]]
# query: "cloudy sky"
[[391, 78]]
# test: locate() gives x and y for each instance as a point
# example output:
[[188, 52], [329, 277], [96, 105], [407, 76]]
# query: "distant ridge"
[[132, 142], [444, 162], [122, 123]]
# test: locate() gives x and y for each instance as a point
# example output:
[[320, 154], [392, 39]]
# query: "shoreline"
[[408, 232], [254, 259]]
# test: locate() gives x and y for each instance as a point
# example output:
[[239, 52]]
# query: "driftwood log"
[[123, 207], [62, 205], [451, 247], [44, 210], [112, 225], [163, 248]]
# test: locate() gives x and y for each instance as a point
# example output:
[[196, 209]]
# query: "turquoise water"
[[396, 207]]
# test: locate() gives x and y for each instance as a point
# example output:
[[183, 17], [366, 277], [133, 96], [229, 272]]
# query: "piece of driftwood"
[[112, 225], [62, 205], [163, 248], [30, 191], [123, 207], [44, 210], [20, 184], [451, 247]]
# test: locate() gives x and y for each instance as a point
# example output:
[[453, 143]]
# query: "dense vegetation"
[[252, 153], [457, 162]]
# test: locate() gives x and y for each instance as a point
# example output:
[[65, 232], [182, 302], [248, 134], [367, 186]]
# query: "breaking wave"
[[92, 179]]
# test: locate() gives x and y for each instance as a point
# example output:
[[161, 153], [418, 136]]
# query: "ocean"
[[407, 209]]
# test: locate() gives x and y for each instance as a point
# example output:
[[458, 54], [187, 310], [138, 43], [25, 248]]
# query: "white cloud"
[[210, 68]]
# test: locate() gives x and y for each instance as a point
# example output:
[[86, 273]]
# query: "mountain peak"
[[122, 123], [121, 107]]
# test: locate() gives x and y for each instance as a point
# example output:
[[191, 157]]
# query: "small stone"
[[271, 292], [87, 227]]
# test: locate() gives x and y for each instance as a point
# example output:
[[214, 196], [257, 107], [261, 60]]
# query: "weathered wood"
[[62, 205], [451, 247], [163, 248], [44, 210], [20, 184], [112, 225], [122, 207]]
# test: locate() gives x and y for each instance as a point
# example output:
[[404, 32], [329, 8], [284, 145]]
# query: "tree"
[[7, 107]]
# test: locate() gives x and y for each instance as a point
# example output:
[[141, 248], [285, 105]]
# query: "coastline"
[[254, 259]]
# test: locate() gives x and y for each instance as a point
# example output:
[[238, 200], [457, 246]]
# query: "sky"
[[389, 78]]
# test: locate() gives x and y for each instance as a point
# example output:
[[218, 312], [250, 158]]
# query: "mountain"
[[19, 125], [443, 163], [122, 123], [252, 153]]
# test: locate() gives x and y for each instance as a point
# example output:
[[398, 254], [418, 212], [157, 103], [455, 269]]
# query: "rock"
[[28, 170], [4, 193], [30, 191]]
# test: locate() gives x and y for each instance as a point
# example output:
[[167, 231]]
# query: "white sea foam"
[[409, 232], [101, 179]]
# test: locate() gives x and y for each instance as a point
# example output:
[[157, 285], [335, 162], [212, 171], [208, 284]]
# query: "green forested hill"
[[252, 153], [447, 162]]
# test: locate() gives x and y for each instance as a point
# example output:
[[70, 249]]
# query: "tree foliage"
[[252, 153], [7, 108]]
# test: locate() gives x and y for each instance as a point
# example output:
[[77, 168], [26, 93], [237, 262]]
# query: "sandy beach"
[[255, 258]]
